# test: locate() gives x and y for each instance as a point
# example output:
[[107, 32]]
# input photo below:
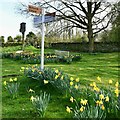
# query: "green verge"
[[87, 69]]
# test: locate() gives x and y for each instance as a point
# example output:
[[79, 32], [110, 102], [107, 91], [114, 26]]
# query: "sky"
[[10, 19]]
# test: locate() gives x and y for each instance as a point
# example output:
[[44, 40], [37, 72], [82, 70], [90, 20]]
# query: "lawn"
[[104, 65]]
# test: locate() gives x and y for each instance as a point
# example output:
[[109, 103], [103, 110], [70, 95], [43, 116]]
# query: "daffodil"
[[68, 109], [71, 78], [32, 98], [27, 68], [77, 79], [71, 83], [56, 77], [22, 68], [33, 70], [71, 99], [117, 92], [99, 102], [83, 102], [99, 79], [82, 109], [45, 81], [101, 96], [94, 84], [76, 86], [30, 90], [11, 80], [56, 71], [62, 77], [103, 107], [40, 72], [5, 83], [107, 99], [110, 81], [15, 79], [116, 84], [96, 89]]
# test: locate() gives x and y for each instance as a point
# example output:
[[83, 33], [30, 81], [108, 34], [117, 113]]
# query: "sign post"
[[42, 41], [38, 20]]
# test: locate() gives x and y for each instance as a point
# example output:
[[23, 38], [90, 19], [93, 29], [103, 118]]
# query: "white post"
[[42, 41]]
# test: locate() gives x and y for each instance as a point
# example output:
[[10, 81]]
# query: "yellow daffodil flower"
[[77, 79], [22, 68], [101, 96], [71, 83], [15, 79], [110, 81], [99, 102], [33, 70], [116, 84], [40, 72], [45, 81], [117, 92], [5, 83], [56, 71], [96, 89], [103, 107], [11, 80], [62, 77], [71, 99], [56, 77], [82, 109], [26, 68], [94, 84], [76, 86], [99, 79], [30, 90], [71, 78], [107, 99], [68, 109], [83, 102], [32, 98]]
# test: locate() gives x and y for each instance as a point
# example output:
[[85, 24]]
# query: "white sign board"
[[38, 19]]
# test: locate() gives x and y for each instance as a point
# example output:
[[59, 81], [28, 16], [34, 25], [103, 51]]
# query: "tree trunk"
[[89, 28], [91, 40]]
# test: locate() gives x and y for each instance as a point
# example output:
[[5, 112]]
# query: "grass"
[[87, 69]]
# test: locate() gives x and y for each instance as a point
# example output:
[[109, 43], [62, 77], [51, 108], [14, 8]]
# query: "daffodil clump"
[[31, 58], [54, 77], [96, 103], [40, 102], [12, 86]]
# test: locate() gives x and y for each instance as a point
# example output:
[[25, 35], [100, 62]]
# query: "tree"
[[18, 38], [84, 15], [2, 39], [31, 38], [90, 15], [115, 31], [10, 39]]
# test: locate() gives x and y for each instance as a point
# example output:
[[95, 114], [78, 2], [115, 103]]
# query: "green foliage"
[[31, 58], [10, 39], [18, 38], [99, 104], [2, 40], [12, 87], [41, 102]]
